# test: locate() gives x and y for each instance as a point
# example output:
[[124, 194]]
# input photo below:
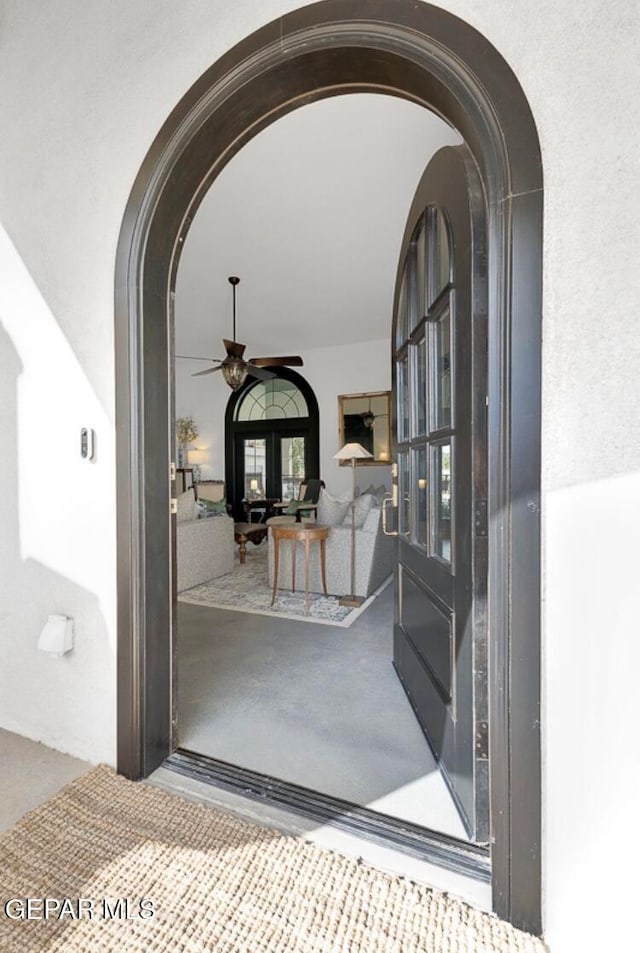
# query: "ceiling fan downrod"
[[233, 281]]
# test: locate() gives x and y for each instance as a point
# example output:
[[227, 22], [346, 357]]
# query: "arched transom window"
[[275, 399]]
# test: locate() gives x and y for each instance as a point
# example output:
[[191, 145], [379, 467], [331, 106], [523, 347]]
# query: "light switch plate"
[[87, 443]]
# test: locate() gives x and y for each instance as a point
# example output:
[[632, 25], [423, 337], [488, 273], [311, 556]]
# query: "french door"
[[440, 340], [270, 463]]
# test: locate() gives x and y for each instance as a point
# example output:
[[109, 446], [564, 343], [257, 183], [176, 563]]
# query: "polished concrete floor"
[[29, 774], [311, 704]]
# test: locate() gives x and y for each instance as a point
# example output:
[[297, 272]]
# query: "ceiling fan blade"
[[209, 370], [259, 372], [293, 361], [234, 349], [190, 357]]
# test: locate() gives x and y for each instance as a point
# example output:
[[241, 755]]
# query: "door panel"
[[440, 384]]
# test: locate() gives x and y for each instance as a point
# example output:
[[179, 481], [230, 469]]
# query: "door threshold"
[[399, 846]]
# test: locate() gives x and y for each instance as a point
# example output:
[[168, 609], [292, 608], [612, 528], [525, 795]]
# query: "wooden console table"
[[306, 534]]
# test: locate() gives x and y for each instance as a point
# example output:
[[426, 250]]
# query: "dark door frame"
[[425, 54], [263, 428]]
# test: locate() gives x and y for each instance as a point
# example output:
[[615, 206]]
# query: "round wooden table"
[[306, 534]]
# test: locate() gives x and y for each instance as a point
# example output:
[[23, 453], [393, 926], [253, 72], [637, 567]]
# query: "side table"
[[306, 534]]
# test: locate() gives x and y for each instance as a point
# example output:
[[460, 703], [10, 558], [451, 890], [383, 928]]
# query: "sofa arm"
[[205, 550]]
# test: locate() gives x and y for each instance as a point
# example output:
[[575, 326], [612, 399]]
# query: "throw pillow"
[[361, 508], [331, 509], [187, 509], [213, 507]]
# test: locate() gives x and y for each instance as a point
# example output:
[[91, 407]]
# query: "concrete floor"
[[29, 774], [315, 705]]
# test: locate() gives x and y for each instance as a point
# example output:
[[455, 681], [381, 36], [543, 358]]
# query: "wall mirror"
[[366, 419]]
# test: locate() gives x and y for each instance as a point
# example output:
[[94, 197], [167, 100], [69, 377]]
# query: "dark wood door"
[[440, 442]]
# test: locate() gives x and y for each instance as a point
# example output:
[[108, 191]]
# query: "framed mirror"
[[366, 419]]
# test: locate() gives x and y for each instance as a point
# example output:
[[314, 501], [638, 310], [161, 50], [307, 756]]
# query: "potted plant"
[[186, 433]]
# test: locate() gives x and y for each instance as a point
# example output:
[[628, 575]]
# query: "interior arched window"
[[272, 400], [272, 439]]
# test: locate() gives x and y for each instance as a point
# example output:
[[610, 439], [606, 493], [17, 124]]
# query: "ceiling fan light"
[[234, 372]]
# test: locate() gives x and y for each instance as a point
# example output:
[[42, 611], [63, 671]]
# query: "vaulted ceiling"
[[310, 214]]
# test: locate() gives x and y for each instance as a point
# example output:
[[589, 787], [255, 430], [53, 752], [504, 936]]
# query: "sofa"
[[204, 546], [375, 552]]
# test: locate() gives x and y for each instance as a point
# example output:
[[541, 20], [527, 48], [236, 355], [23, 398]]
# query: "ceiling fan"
[[234, 368], [369, 418]]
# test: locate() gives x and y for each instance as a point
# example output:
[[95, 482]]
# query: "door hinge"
[[174, 506], [480, 518], [172, 471], [482, 739]]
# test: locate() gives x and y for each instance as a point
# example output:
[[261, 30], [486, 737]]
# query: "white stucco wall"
[[86, 87]]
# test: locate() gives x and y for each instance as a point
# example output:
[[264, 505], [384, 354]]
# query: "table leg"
[[242, 548], [323, 566], [293, 565], [276, 566], [307, 542]]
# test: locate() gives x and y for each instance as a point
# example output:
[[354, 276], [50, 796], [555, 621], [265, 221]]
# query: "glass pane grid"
[[441, 502], [419, 388], [440, 359], [255, 452], [420, 483], [292, 466], [402, 316], [272, 399]]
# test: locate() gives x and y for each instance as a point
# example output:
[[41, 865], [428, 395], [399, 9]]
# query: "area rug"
[[116, 867], [247, 589]]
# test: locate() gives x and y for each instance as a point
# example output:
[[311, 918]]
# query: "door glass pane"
[[441, 501], [255, 454], [419, 392], [292, 466], [421, 268], [403, 400], [441, 263], [404, 511], [441, 371], [413, 315], [402, 323], [420, 495]]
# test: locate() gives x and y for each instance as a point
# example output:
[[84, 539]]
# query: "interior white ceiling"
[[310, 214]]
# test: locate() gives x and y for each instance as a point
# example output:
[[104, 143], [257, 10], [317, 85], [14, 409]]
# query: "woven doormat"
[[109, 865]]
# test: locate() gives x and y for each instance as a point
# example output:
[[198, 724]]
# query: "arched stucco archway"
[[424, 54]]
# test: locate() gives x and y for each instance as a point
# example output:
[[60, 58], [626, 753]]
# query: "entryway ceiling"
[[310, 215]]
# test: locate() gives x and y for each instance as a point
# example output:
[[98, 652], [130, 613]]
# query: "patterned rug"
[[116, 867], [247, 589]]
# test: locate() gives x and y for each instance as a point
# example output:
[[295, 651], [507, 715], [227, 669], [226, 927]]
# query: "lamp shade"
[[352, 451]]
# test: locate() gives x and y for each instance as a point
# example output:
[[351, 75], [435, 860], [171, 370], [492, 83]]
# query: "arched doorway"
[[427, 55], [272, 438]]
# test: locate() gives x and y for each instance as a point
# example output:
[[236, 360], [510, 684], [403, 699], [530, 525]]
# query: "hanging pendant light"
[[234, 371]]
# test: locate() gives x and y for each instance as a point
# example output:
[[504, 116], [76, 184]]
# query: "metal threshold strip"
[[469, 860]]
